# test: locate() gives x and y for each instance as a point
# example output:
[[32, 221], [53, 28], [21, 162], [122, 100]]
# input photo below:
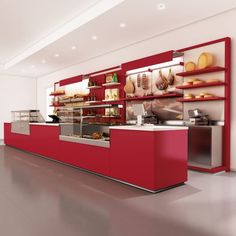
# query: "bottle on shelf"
[[115, 78], [90, 83]]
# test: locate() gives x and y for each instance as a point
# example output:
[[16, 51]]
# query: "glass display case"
[[32, 116], [22, 118], [86, 124]]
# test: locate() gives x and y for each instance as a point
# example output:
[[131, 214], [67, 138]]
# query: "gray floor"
[[42, 198]]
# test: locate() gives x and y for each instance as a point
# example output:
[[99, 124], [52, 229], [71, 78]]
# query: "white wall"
[[16, 93], [209, 29]]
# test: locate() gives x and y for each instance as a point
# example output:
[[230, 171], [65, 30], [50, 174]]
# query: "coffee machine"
[[197, 117]]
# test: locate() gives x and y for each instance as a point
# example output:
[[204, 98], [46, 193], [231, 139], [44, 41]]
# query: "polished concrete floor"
[[43, 198]]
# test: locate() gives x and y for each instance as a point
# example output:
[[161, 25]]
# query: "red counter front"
[[150, 160]]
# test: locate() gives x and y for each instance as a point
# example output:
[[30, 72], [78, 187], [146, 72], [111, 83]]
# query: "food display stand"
[[153, 156]]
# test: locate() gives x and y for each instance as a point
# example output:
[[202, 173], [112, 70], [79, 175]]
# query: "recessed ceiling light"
[[122, 25], [161, 6], [43, 61], [56, 55], [94, 37], [73, 47]]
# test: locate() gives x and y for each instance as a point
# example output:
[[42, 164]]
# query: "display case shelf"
[[57, 94], [210, 84], [111, 116], [118, 100], [201, 99], [201, 71], [111, 84], [168, 95], [92, 102], [58, 105], [98, 106], [94, 87]]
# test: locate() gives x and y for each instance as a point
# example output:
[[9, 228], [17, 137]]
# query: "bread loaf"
[[205, 60], [190, 66]]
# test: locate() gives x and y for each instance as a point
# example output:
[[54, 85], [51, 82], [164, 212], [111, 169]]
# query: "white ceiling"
[[37, 30]]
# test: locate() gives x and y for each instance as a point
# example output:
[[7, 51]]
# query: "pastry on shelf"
[[209, 95], [204, 95], [189, 96], [212, 81], [96, 135], [198, 81], [190, 66], [59, 91], [205, 60], [193, 81], [189, 82]]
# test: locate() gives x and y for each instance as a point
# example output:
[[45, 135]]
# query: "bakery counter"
[[87, 141], [149, 128], [151, 158], [45, 124]]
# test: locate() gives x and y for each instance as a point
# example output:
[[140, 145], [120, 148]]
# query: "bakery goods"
[[199, 96], [198, 81], [190, 66], [205, 95], [188, 96], [205, 60], [186, 83], [96, 135], [212, 80], [209, 96], [191, 80]]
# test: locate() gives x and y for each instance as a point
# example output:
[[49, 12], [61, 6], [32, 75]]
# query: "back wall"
[[16, 93], [206, 30]]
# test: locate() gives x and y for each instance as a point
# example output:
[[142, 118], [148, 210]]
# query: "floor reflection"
[[59, 200]]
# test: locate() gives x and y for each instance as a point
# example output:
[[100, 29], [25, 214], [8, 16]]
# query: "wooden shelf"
[[168, 95], [201, 71], [201, 99], [210, 84], [111, 84]]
